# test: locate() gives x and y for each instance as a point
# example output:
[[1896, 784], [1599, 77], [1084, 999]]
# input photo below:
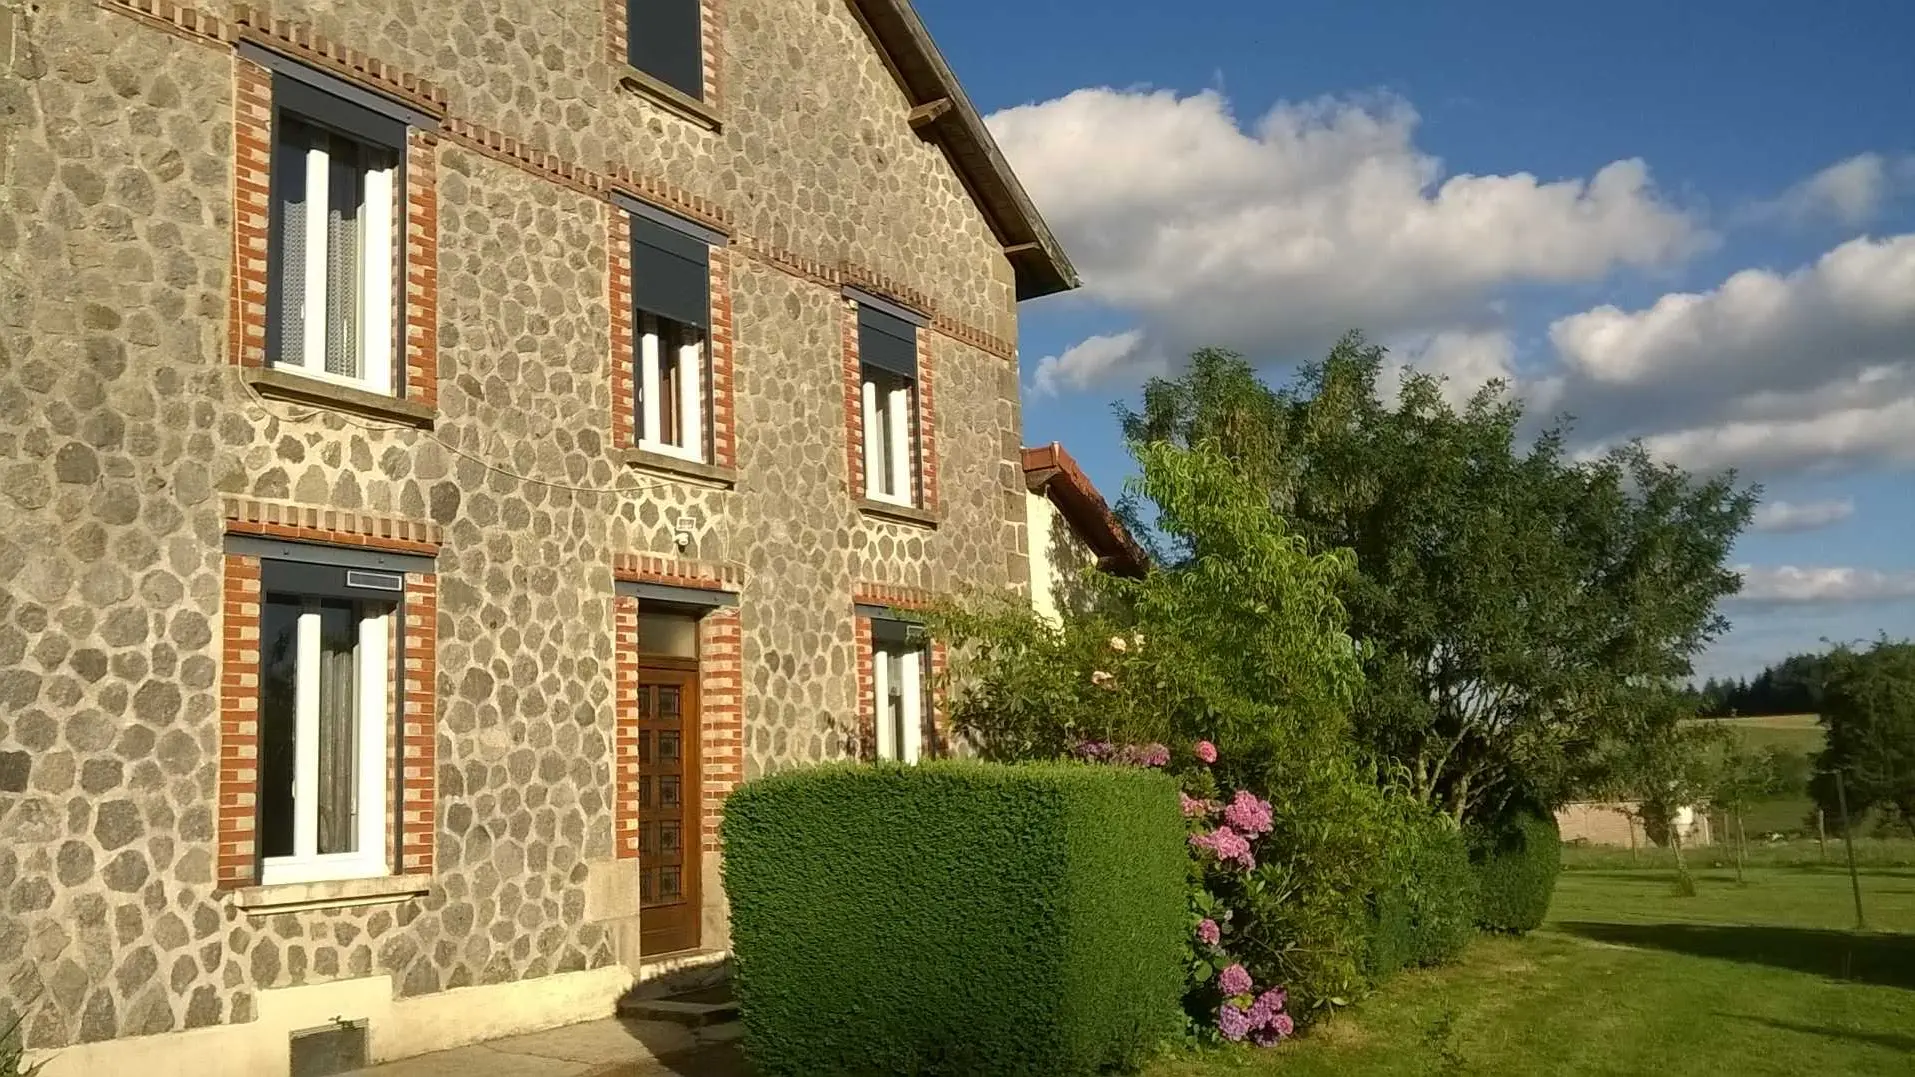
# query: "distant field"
[[1796, 732]]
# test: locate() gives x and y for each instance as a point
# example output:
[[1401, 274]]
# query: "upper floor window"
[[335, 240], [665, 39], [888, 369], [671, 316]]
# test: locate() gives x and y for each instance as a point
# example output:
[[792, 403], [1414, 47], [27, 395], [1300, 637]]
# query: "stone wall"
[[124, 423]]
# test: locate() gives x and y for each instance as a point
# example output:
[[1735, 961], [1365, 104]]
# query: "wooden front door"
[[668, 804]]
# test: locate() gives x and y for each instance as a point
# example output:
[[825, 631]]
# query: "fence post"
[[1848, 839]]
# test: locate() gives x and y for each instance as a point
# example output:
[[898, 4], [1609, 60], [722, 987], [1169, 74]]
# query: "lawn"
[[1627, 978]]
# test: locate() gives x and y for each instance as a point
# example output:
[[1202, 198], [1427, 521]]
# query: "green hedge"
[[1426, 912], [956, 918], [1516, 864]]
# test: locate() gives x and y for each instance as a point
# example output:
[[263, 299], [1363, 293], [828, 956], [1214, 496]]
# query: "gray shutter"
[[664, 39], [887, 342], [671, 273]]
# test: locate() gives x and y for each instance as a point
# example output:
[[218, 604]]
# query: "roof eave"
[[1036, 258]]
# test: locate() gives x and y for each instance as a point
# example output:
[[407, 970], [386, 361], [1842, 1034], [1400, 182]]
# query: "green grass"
[[1627, 978], [1799, 853]]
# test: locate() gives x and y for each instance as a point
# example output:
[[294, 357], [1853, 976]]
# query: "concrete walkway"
[[606, 1048]]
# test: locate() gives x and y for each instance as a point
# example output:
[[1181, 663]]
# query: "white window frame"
[[908, 678], [887, 442], [690, 371], [371, 679], [378, 256]]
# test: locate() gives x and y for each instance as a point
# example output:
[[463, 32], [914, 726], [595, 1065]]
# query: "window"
[[326, 691], [888, 368], [671, 311], [665, 39], [671, 387], [335, 246], [897, 671]]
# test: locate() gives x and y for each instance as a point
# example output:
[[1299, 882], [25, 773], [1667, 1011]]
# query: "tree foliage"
[[1507, 594], [1868, 711], [1791, 686], [1241, 641]]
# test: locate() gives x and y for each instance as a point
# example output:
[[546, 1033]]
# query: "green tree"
[[1868, 712], [1238, 638], [1741, 779], [1506, 592], [1665, 765]]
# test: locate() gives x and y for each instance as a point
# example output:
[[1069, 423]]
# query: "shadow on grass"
[[1888, 960], [1890, 1040]]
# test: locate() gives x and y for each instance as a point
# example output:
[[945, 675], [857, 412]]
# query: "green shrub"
[[956, 918], [1516, 864], [1425, 913]]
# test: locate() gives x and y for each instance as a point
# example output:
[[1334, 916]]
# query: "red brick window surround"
[[881, 614], [872, 386], [679, 586], [675, 61], [669, 287], [387, 572], [385, 577], [288, 114]]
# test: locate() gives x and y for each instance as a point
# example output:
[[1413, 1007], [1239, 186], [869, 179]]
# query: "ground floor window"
[[897, 671], [325, 708]]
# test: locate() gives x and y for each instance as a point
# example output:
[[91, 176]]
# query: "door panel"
[[668, 810]]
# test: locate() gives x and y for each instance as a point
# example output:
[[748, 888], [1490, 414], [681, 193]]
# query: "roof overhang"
[[941, 113], [1050, 471]]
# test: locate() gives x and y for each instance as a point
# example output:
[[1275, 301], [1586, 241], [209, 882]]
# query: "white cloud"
[[1467, 360], [1782, 517], [1087, 362], [1767, 372], [1276, 236], [1788, 585], [1849, 192]]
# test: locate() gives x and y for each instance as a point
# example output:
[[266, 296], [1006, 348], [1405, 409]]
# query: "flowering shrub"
[[1221, 1000], [1236, 658]]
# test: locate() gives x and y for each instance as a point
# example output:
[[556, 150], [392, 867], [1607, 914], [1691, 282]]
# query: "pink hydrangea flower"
[[1283, 1025], [1248, 814], [1267, 1007], [1094, 750], [1233, 1023], [1155, 755], [1192, 806], [1207, 752], [1208, 932], [1228, 845], [1235, 980]]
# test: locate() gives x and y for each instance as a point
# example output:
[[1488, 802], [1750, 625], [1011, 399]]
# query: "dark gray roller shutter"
[[671, 273], [887, 342], [663, 39]]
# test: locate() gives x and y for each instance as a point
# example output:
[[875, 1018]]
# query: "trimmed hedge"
[[956, 918], [1426, 914], [1516, 864]]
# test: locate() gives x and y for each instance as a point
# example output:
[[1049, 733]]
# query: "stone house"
[[444, 448], [1071, 530]]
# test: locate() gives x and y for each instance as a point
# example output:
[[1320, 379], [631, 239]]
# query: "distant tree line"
[[1791, 686]]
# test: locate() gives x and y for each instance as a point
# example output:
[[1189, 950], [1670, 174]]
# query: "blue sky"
[[1692, 223]]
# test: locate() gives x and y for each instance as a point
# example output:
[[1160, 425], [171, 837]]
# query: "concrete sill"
[[670, 98], [283, 385], [904, 514], [717, 478], [344, 893]]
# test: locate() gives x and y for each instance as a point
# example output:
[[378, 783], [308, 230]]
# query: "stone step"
[[701, 1008]]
